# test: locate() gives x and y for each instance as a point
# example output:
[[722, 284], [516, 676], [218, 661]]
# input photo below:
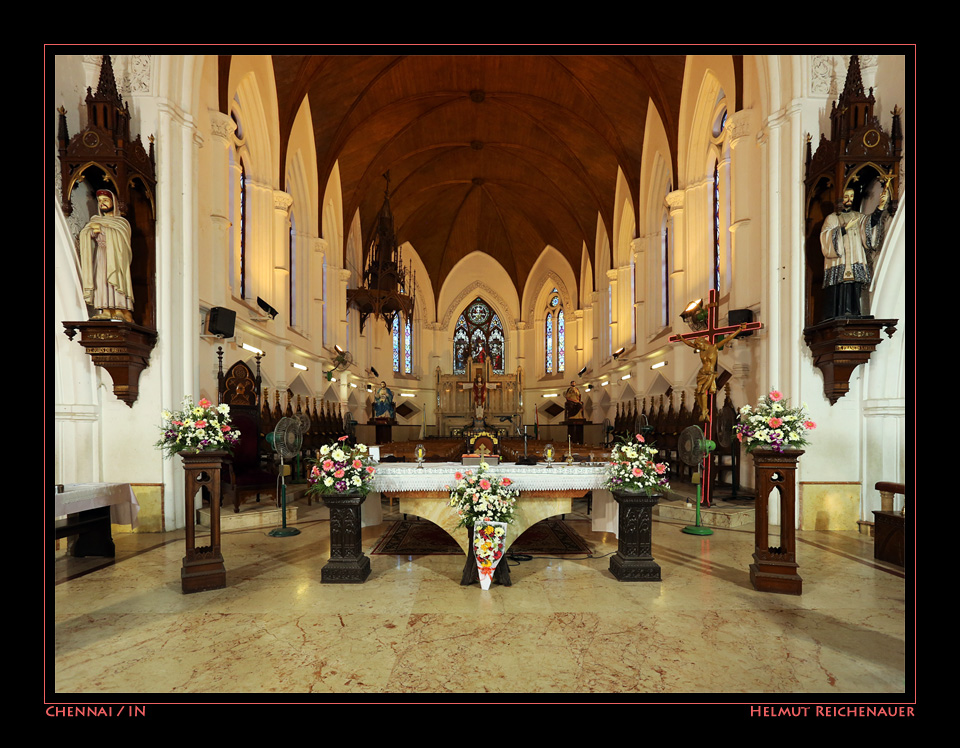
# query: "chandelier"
[[382, 289]]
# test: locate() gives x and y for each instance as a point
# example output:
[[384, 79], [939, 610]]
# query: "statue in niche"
[[849, 240], [105, 256]]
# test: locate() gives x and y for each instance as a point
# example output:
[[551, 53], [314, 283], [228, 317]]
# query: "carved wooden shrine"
[[862, 156], [103, 156], [203, 567], [775, 569], [347, 564]]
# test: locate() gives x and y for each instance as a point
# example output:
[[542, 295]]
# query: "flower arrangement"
[[341, 469], [201, 427], [489, 540], [634, 467], [479, 497], [773, 424]]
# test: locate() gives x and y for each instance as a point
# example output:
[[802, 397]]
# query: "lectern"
[[203, 567], [775, 569]]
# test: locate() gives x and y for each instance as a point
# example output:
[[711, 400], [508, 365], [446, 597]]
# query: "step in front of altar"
[[264, 513], [681, 506]]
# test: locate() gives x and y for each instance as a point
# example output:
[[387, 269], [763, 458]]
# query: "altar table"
[[544, 492], [90, 509]]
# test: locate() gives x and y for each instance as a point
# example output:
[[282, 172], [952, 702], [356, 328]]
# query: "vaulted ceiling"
[[490, 153]]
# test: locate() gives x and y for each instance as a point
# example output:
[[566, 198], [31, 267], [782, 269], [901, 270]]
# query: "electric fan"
[[693, 448], [341, 361], [285, 440]]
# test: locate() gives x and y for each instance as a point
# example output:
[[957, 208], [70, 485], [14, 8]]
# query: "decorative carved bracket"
[[840, 345], [122, 348]]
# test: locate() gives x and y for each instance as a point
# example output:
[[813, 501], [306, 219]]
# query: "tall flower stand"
[[633, 561], [347, 564], [203, 567], [775, 569]]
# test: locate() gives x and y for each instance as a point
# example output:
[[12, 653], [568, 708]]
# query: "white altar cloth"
[[79, 497], [393, 478]]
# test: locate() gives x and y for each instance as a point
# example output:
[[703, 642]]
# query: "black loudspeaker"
[[739, 317], [221, 322]]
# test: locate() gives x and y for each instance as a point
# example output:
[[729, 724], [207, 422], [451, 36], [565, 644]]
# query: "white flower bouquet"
[[341, 469], [479, 497], [200, 428], [773, 424], [634, 468]]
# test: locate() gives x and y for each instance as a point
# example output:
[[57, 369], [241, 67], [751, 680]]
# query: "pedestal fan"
[[693, 448], [285, 439]]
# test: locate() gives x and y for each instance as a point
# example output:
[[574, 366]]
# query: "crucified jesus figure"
[[707, 376]]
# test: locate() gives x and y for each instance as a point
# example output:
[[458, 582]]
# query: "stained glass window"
[[554, 330], [478, 328], [396, 342], [549, 343], [716, 226], [560, 341], [408, 346]]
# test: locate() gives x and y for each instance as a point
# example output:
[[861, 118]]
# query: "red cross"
[[714, 334]]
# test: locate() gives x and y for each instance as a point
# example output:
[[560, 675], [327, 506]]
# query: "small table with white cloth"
[[87, 510]]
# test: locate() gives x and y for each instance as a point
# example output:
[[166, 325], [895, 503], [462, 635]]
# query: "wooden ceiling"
[[501, 154]]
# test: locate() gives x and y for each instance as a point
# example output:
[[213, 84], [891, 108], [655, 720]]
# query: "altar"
[[544, 492]]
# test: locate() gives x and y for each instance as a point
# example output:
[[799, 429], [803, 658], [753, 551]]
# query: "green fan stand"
[[697, 529], [283, 531]]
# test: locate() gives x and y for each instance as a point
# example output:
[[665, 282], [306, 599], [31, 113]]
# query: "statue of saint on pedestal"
[[105, 256]]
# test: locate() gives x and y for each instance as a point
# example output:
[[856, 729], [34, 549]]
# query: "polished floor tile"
[[565, 626]]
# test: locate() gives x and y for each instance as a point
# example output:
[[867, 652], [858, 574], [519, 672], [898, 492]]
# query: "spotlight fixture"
[[268, 310], [374, 372], [695, 315], [618, 353], [659, 365], [625, 376], [248, 347], [301, 367], [604, 383], [337, 348]]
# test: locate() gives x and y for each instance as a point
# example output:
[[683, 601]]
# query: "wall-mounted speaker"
[[221, 322], [739, 317]]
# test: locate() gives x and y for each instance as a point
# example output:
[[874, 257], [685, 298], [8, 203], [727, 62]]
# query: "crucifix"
[[708, 343]]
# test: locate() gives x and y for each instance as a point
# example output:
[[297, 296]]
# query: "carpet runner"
[[549, 537]]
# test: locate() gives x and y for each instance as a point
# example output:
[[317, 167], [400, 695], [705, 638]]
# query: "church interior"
[[466, 257]]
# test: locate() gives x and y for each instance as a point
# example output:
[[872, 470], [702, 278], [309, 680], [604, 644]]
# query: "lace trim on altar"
[[438, 476]]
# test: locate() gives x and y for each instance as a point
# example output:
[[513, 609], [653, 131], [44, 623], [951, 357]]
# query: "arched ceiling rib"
[[502, 154]]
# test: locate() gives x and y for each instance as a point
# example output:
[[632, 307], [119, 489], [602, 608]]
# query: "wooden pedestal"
[[633, 561], [203, 567], [775, 569], [347, 564], [575, 430]]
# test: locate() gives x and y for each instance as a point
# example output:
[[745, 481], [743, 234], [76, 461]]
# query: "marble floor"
[[566, 629]]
